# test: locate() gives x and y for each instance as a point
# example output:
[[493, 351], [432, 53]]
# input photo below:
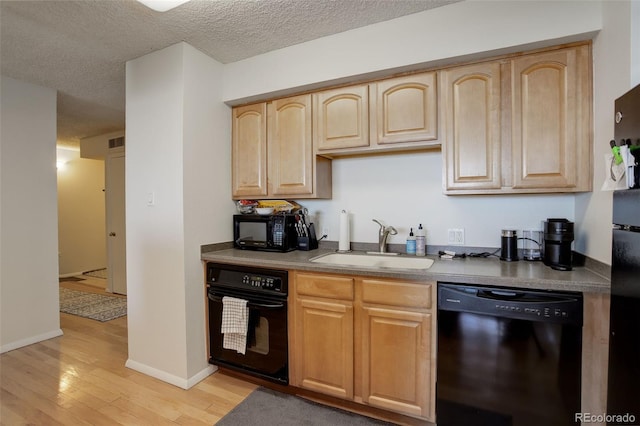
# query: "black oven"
[[265, 291]]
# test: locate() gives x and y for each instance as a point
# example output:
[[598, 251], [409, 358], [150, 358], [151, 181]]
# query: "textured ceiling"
[[80, 47]]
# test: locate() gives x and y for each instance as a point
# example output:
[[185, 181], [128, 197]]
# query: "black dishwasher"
[[508, 356]]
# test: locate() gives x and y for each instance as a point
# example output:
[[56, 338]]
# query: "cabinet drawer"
[[410, 295], [325, 286]]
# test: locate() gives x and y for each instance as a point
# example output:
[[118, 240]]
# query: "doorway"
[[81, 213], [115, 221], [91, 205]]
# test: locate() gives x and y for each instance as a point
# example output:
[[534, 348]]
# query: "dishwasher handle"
[[532, 305], [500, 294]]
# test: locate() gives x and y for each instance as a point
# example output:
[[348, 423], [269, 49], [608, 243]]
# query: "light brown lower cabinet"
[[322, 334], [366, 340], [325, 346]]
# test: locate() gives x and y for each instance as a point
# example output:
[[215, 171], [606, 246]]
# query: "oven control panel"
[[262, 282], [247, 278]]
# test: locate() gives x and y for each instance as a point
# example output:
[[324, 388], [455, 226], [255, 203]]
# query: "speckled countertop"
[[484, 271]]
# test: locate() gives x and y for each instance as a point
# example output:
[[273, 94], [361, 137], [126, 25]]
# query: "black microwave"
[[274, 232]]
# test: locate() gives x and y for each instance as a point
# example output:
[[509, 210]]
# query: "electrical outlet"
[[456, 236], [325, 231]]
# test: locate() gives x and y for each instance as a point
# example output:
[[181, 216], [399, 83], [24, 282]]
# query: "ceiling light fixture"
[[162, 5]]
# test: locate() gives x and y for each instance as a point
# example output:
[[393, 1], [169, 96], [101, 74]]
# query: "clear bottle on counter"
[[411, 243], [421, 241]]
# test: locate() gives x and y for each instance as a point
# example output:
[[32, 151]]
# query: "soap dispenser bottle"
[[411, 243], [421, 242]]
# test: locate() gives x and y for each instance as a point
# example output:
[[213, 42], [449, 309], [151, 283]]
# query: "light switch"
[[151, 199]]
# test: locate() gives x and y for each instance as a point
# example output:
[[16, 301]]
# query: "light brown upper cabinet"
[[471, 104], [249, 151], [551, 122], [405, 109], [273, 153], [341, 118], [388, 115], [519, 125]]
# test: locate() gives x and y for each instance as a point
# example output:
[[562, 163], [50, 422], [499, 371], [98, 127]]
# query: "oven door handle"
[[251, 304]]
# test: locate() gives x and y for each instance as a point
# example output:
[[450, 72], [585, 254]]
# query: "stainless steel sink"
[[374, 261]]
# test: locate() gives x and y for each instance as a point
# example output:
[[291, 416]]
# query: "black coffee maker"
[[558, 236]]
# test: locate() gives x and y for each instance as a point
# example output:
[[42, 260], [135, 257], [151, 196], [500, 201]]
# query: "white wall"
[[613, 45], [81, 213], [28, 215], [405, 190], [178, 148], [467, 29], [206, 185], [97, 147]]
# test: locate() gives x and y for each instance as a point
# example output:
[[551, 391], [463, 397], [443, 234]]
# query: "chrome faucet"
[[383, 234]]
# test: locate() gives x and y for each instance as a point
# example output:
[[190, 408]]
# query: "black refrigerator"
[[623, 395]]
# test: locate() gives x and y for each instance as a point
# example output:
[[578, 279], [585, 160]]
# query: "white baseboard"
[[170, 378], [30, 340], [197, 378]]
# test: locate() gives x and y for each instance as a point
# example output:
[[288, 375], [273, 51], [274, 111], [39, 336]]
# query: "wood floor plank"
[[227, 389], [143, 414], [185, 420], [65, 377], [195, 397], [83, 411], [17, 374], [43, 405], [10, 417], [146, 397], [80, 378], [26, 358], [120, 416], [18, 410], [88, 398]]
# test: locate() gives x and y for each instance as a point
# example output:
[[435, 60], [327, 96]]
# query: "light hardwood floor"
[[80, 379]]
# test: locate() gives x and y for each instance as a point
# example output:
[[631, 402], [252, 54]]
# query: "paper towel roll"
[[343, 243]]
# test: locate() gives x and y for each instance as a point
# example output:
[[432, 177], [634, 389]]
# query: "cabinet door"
[[396, 360], [341, 118], [548, 104], [405, 109], [324, 346], [471, 104], [290, 148], [249, 151]]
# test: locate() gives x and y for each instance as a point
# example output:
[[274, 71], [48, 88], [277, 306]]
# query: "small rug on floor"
[[97, 273], [268, 407], [98, 307]]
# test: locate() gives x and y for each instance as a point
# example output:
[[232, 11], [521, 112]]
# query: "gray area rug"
[[90, 305], [268, 407]]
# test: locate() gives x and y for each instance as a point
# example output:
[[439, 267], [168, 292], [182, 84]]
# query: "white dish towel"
[[235, 321]]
